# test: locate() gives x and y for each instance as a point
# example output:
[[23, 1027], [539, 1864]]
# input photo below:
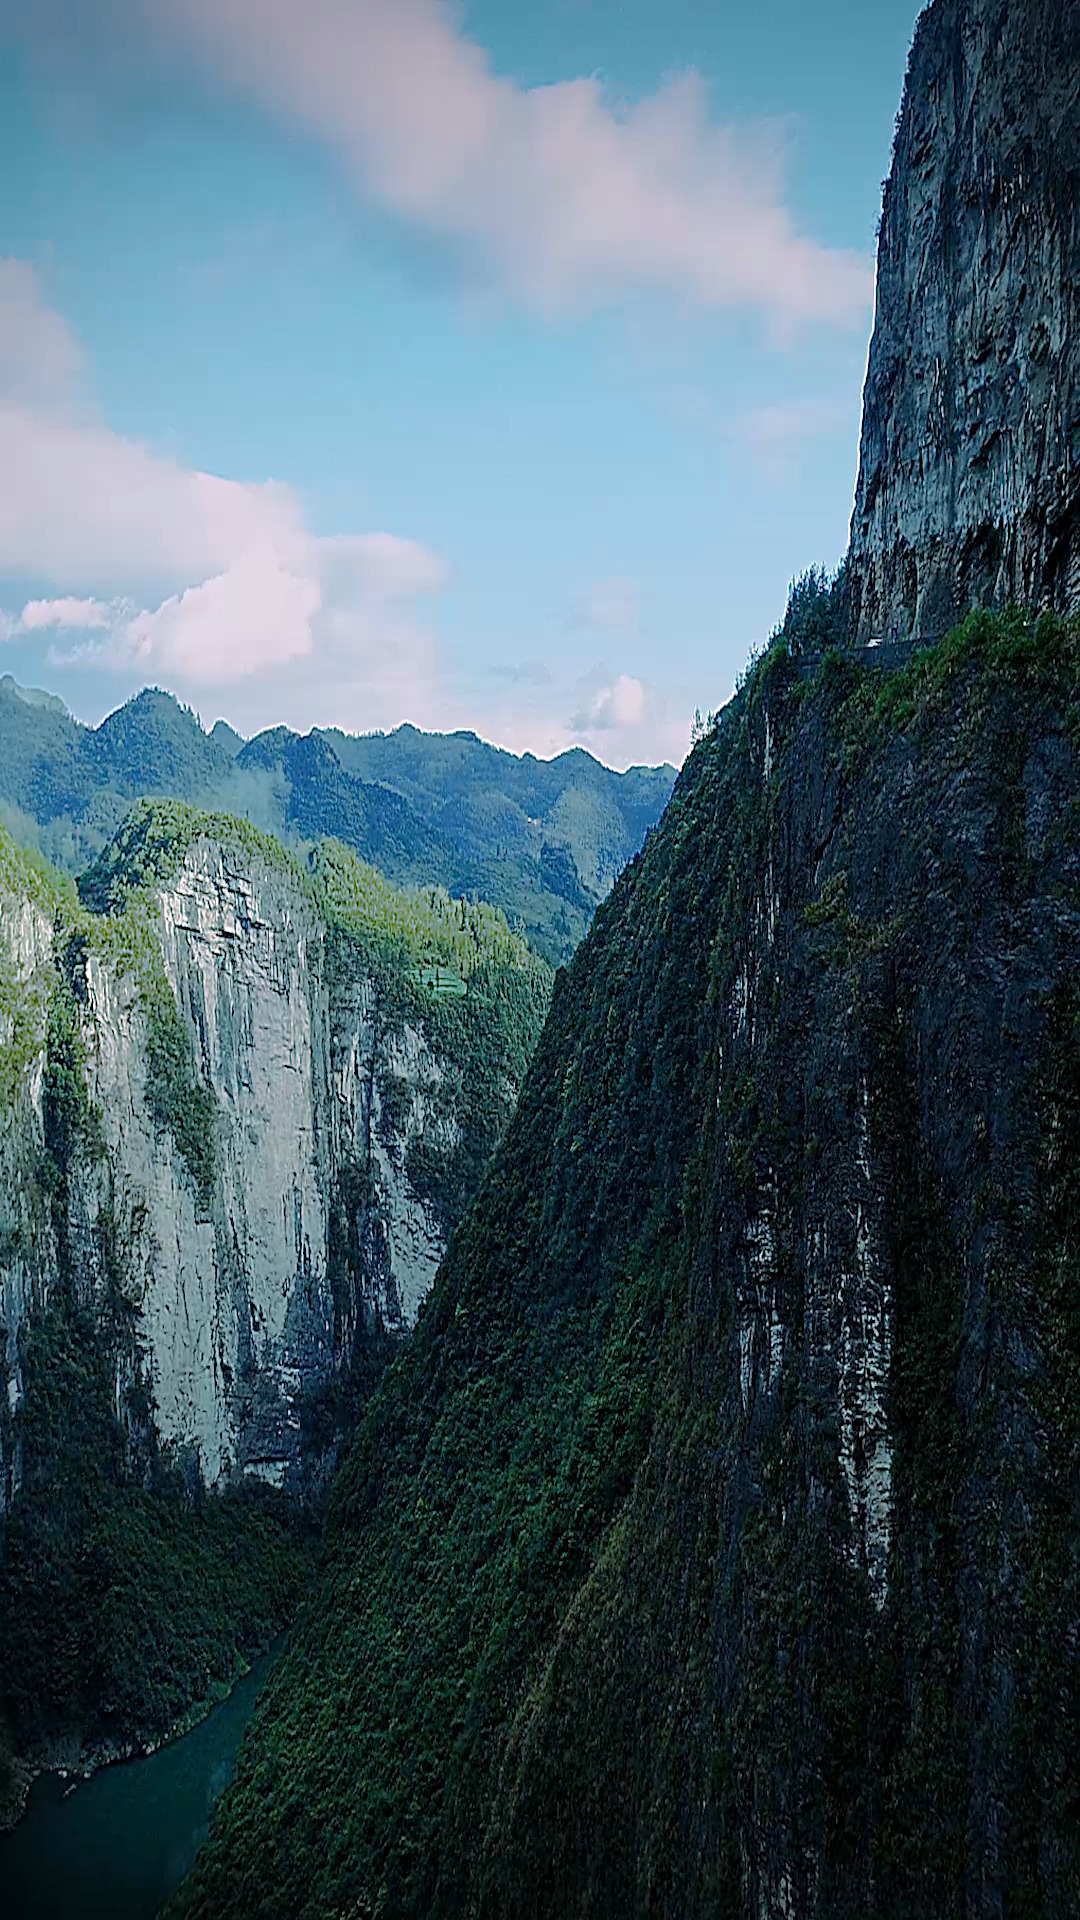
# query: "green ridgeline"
[[543, 839]]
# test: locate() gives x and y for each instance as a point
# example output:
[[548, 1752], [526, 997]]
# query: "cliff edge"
[[969, 482]]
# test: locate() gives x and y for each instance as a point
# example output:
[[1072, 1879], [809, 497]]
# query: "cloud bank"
[[46, 615], [623, 703], [218, 588], [556, 193], [40, 359], [241, 586]]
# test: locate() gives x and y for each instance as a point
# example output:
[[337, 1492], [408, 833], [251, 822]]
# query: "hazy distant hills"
[[542, 839]]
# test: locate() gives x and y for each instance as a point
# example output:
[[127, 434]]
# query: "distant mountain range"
[[543, 839]]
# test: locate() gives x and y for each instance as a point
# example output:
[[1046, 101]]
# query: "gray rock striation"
[[254, 1279], [969, 483]]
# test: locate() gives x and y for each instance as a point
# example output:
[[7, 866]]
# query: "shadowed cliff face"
[[713, 1549], [969, 489]]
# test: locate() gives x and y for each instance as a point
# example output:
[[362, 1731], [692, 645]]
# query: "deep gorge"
[[651, 1391]]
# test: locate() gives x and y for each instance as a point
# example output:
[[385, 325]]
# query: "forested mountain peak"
[[542, 839]]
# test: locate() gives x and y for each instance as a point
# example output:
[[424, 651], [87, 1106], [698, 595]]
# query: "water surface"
[[117, 1846]]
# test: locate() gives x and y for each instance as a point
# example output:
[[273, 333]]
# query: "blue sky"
[[492, 366]]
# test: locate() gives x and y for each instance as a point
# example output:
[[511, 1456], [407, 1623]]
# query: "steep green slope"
[[542, 839], [713, 1547]]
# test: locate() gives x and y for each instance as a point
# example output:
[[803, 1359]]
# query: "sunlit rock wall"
[[969, 487]]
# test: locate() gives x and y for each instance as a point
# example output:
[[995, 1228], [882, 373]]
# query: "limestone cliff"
[[969, 487], [221, 1104]]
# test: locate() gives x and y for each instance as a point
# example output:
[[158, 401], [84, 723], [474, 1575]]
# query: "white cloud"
[[620, 719], [256, 615], [80, 505], [625, 703], [208, 582], [776, 434], [66, 612], [557, 192], [373, 665], [156, 571]]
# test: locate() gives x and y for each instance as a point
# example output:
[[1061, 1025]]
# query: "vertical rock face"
[[236, 1318], [26, 1239], [969, 487], [243, 1175]]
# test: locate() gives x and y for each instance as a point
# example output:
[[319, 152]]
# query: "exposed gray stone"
[[242, 1318], [969, 487]]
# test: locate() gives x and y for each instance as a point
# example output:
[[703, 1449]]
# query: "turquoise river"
[[115, 1846]]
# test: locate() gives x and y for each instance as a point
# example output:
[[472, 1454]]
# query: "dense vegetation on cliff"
[[478, 989], [541, 839], [712, 1548]]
